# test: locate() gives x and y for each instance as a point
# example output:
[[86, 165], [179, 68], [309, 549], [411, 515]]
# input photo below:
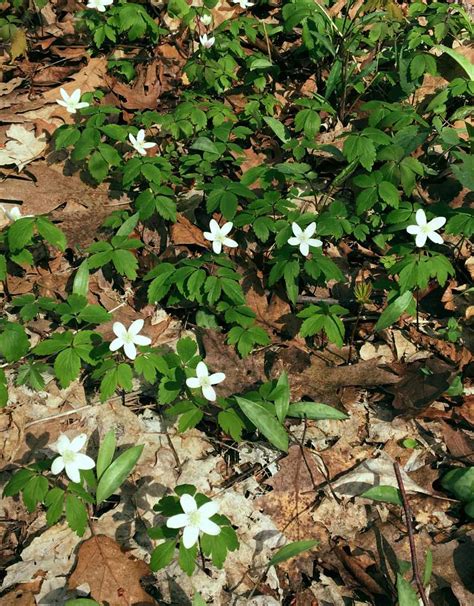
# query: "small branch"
[[411, 539]]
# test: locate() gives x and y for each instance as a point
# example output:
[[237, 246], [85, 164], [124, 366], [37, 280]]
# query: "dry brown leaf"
[[184, 232], [421, 383], [112, 575], [22, 148], [453, 352], [144, 93]]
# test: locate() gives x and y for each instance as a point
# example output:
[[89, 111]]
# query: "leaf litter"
[[315, 491]]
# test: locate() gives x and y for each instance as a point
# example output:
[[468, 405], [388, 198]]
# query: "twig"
[[411, 539]]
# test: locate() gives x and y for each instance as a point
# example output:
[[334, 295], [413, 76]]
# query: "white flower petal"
[[57, 466], [315, 242], [209, 527], [76, 96], [136, 326], [227, 228], [202, 370], [420, 239], [309, 231], [119, 329], [193, 382], [78, 443], [132, 139], [413, 229], [230, 243], [188, 503], [63, 443], [209, 393], [83, 461], [130, 351], [209, 509], [209, 236], [294, 241], [420, 217], [214, 226], [296, 230], [304, 249], [216, 378], [190, 536], [178, 521], [116, 344], [437, 223], [436, 238], [141, 340], [217, 247], [72, 472], [148, 145], [82, 104]]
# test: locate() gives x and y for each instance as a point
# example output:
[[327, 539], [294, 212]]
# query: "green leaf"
[[14, 342], [187, 558], [278, 128], [389, 193], [115, 475], [54, 501], [428, 568], [76, 514], [80, 286], [186, 348], [386, 494], [393, 311], [461, 60], [20, 233], [3, 389], [460, 482], [51, 233], [67, 366], [291, 550], [35, 491], [282, 401], [198, 601], [81, 602], [206, 145], [162, 555], [17, 482], [265, 422], [106, 453], [406, 594], [315, 411]]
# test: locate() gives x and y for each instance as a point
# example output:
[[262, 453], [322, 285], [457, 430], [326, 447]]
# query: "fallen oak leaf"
[[22, 148], [112, 575]]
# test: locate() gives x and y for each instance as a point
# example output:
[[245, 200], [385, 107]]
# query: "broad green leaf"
[[206, 145], [282, 401], [3, 389], [291, 550], [20, 233], [265, 422], [461, 60], [115, 475], [428, 568], [386, 494], [315, 411], [35, 491], [278, 128], [80, 286], [407, 596], [81, 602], [393, 311], [106, 453]]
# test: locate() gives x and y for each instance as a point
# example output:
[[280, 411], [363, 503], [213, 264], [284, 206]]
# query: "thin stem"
[[411, 539]]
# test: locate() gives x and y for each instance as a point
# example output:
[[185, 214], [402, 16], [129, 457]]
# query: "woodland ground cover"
[[237, 302]]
